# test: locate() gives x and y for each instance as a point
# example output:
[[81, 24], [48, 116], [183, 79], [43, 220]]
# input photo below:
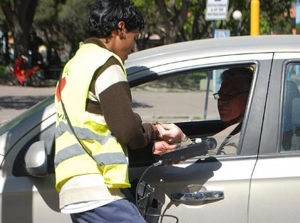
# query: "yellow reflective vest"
[[107, 154]]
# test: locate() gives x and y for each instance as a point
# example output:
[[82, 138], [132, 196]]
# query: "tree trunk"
[[19, 17], [175, 24]]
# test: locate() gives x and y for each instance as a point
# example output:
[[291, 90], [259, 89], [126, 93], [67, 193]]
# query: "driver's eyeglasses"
[[229, 96]]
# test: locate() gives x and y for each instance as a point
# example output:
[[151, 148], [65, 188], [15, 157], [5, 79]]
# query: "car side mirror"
[[36, 160]]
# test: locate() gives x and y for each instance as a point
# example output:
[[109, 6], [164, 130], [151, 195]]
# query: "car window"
[[184, 97], [178, 98], [290, 129]]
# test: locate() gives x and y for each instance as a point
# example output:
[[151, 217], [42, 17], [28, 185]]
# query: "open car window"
[[196, 113]]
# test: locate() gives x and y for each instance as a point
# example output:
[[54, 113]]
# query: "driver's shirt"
[[231, 145]]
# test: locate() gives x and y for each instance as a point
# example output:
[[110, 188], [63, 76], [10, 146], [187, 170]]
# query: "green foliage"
[[150, 13], [298, 27], [75, 14], [264, 26], [274, 13], [45, 11], [192, 78], [4, 1], [63, 25], [3, 73], [63, 22]]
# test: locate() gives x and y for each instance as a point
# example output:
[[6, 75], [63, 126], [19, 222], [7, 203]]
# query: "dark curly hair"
[[105, 15]]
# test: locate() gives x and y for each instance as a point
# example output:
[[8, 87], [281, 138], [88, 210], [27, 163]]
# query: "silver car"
[[259, 184]]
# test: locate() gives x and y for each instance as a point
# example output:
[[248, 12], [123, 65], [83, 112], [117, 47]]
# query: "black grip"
[[192, 150]]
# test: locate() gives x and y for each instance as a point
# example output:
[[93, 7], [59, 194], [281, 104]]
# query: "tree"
[[172, 20], [62, 26], [174, 16], [63, 21], [19, 17], [274, 11], [154, 25], [183, 20], [73, 19]]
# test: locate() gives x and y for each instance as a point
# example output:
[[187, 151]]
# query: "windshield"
[[34, 109]]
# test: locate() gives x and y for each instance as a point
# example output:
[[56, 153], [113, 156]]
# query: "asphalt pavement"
[[164, 105], [17, 99]]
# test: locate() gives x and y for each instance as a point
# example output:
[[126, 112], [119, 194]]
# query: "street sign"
[[221, 33], [216, 9]]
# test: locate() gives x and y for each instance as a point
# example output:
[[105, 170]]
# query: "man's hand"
[[170, 133], [161, 147]]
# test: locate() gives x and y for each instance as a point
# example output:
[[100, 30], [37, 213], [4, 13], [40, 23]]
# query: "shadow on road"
[[20, 102], [140, 105], [44, 83]]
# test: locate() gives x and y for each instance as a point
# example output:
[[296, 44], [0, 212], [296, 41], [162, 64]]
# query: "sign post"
[[215, 10]]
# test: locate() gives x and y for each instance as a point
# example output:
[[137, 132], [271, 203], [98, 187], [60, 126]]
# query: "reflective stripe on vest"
[[81, 133], [101, 159], [77, 150]]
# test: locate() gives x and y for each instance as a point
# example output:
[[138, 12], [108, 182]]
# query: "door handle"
[[198, 196]]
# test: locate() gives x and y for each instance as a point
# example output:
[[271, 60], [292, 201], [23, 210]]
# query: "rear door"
[[274, 195], [228, 176]]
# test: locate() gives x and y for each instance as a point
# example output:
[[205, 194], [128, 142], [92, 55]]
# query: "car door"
[[274, 195], [224, 180]]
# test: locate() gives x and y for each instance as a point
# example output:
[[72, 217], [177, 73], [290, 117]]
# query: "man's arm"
[[115, 102]]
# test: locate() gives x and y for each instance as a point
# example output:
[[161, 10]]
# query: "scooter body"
[[23, 74]]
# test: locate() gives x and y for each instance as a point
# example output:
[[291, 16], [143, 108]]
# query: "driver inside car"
[[232, 101]]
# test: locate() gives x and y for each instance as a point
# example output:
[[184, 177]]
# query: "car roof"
[[210, 48]]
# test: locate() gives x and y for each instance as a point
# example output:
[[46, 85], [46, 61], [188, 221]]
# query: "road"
[[17, 99]]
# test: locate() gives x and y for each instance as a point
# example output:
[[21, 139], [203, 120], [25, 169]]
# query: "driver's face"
[[232, 107]]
